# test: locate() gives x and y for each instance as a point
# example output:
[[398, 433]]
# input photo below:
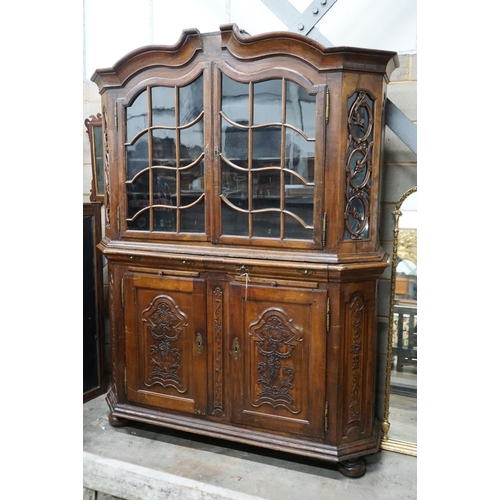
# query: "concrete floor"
[[142, 462]]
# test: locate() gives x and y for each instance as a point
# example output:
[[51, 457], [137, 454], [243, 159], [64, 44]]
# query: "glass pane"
[[137, 157], [193, 179], [164, 220], [267, 143], [138, 194], [299, 156], [295, 230], [190, 101], [191, 143], [266, 225], [141, 223], [164, 150], [193, 218], [267, 192], [162, 182], [267, 106], [235, 100], [163, 104], [299, 199], [234, 142], [234, 222], [301, 109], [235, 186], [137, 115]]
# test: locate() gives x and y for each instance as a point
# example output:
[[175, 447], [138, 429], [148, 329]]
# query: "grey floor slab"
[[168, 456]]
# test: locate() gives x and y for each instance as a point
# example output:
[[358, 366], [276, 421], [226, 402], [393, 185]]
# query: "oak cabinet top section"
[[229, 141]]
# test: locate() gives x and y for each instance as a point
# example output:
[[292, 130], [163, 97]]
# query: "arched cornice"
[[149, 56], [245, 48], [283, 43]]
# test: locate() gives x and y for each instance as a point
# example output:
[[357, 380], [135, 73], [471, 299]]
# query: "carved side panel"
[[165, 323], [356, 373], [358, 167], [112, 326], [356, 313], [276, 337], [218, 367], [106, 165]]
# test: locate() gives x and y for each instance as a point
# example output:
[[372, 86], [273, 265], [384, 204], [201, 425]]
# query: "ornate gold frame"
[[386, 443]]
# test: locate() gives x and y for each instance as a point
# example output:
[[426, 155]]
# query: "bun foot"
[[116, 421], [352, 468]]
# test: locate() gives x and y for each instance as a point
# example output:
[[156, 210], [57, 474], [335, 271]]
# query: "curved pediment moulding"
[[177, 55], [246, 47]]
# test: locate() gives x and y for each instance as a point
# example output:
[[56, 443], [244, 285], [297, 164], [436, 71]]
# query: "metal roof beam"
[[293, 18], [311, 16], [304, 23], [401, 125]]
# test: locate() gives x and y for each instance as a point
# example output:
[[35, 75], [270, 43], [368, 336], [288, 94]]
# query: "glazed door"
[[277, 345], [270, 159], [166, 342], [166, 181]]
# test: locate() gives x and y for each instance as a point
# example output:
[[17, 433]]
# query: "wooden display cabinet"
[[242, 200], [94, 366], [93, 124]]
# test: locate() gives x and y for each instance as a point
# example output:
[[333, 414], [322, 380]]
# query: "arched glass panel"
[[268, 154], [165, 160]]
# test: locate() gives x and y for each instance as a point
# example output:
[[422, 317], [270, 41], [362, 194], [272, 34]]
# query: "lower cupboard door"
[[277, 358], [166, 342]]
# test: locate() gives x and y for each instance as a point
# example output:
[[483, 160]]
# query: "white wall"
[[113, 28]]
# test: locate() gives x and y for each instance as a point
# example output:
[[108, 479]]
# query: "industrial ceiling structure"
[[305, 23]]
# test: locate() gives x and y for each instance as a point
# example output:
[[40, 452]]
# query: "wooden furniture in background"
[[242, 239], [405, 335], [94, 377], [93, 124]]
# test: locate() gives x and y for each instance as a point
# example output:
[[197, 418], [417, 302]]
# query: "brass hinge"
[[323, 238], [118, 218], [326, 416], [116, 115], [125, 379], [122, 292], [328, 314], [327, 111]]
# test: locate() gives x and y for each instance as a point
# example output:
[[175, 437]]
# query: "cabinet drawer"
[[275, 283]]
